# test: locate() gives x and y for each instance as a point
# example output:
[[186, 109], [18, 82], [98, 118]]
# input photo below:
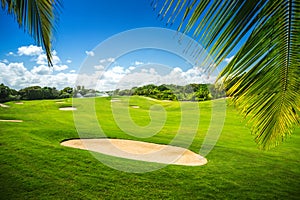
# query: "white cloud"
[[60, 67], [227, 60], [152, 71], [110, 60], [13, 74], [4, 61], [106, 60], [10, 54], [57, 66], [138, 63], [30, 50], [122, 78], [69, 61], [17, 68], [118, 70], [41, 70], [103, 63], [42, 59], [99, 67], [144, 70], [17, 76], [89, 81], [131, 68], [177, 70], [90, 53], [102, 60]]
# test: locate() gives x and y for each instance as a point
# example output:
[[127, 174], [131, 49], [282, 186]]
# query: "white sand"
[[20, 103], [10, 120], [135, 107], [68, 108], [136, 150], [115, 100], [3, 105]]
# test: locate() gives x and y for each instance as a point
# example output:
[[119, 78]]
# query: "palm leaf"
[[263, 77], [38, 17]]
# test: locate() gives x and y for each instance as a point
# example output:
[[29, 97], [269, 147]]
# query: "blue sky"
[[81, 28]]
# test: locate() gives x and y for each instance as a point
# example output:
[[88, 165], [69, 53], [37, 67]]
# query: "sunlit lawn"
[[35, 166]]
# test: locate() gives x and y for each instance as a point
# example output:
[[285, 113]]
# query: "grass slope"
[[35, 166]]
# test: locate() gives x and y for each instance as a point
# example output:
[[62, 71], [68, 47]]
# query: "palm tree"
[[38, 17], [264, 74]]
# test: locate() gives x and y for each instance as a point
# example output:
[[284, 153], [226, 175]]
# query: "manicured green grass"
[[35, 166]]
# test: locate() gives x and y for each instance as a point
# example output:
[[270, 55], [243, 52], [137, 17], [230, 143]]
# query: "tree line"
[[33, 93], [190, 92]]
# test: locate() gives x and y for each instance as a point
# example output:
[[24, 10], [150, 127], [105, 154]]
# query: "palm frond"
[[37, 17], [264, 74]]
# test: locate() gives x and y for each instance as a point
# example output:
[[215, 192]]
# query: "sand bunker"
[[134, 106], [19, 103], [115, 100], [11, 120], [68, 108], [3, 105], [136, 150]]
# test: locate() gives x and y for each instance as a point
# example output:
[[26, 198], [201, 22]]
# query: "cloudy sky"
[[81, 28]]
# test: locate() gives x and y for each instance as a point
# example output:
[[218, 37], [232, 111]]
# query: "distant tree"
[[31, 93], [216, 91], [8, 94], [54, 93], [46, 93], [36, 92], [116, 92], [82, 91], [191, 92], [202, 93], [162, 88], [67, 92], [188, 89], [4, 92]]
